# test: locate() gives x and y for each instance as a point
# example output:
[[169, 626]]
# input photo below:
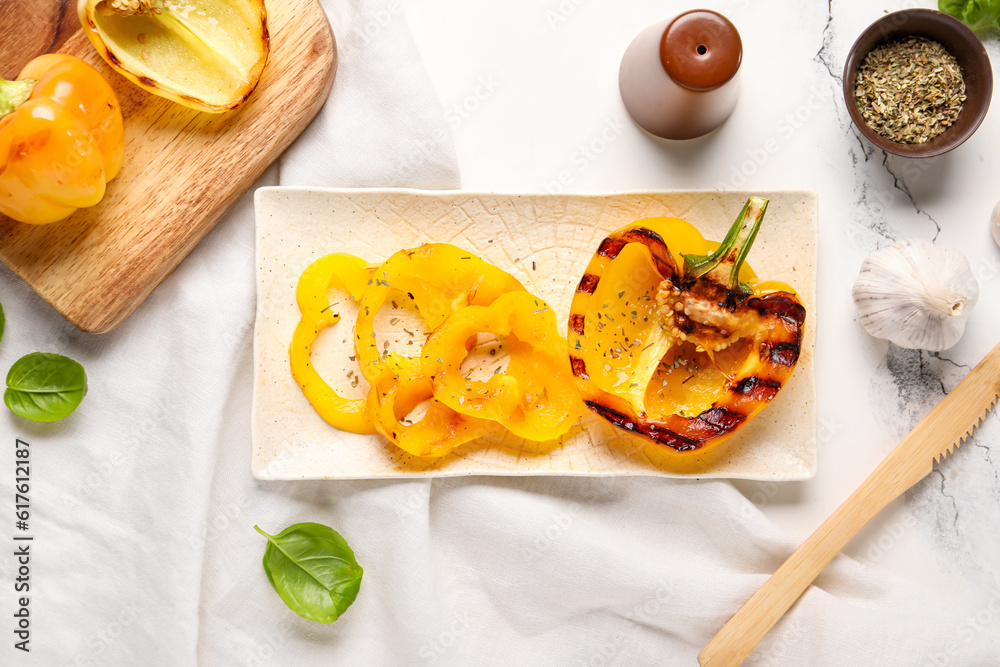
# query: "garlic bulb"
[[916, 294]]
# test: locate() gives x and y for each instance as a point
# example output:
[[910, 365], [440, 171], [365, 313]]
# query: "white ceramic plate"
[[545, 241]]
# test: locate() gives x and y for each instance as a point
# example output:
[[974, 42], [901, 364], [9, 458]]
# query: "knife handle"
[[743, 632]]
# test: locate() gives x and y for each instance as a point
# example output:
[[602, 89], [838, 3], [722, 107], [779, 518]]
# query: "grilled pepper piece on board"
[[207, 55], [535, 398], [349, 273], [61, 139], [682, 353]]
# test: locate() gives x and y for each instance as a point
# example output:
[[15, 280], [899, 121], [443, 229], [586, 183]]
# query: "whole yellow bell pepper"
[[61, 139]]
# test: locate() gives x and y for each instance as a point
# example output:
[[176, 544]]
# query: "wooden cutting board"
[[183, 169]]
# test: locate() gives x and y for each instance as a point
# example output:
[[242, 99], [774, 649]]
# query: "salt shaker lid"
[[701, 50]]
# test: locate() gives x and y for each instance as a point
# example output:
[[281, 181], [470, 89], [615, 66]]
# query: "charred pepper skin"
[[721, 308], [756, 385]]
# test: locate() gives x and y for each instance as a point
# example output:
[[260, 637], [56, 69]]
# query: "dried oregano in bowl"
[[909, 90]]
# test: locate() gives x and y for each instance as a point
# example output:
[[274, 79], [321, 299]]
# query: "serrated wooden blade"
[[937, 435], [947, 426], [968, 433]]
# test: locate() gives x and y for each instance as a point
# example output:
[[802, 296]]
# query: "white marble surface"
[[534, 106]]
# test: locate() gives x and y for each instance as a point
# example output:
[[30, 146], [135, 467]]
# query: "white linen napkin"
[[143, 505]]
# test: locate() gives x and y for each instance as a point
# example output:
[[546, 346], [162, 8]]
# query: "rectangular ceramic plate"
[[545, 241]]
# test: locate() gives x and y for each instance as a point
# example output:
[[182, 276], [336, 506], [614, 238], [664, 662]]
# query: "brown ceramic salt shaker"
[[679, 78]]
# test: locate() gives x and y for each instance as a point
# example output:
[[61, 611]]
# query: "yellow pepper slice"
[[438, 279], [351, 274], [437, 431], [420, 402], [536, 398]]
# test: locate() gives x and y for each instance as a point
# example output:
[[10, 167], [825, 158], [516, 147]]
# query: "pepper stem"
[[723, 266], [13, 94]]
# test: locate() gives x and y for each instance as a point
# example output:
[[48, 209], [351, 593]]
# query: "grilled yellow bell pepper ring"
[[536, 397], [351, 274], [438, 279], [439, 429]]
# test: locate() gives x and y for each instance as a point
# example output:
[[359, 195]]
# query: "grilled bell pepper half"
[[351, 274], [406, 412], [61, 139], [535, 398], [682, 352]]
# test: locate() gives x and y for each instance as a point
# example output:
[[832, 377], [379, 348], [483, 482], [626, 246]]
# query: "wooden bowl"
[[954, 36]]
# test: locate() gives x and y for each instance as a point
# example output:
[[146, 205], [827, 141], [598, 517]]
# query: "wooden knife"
[[945, 428]]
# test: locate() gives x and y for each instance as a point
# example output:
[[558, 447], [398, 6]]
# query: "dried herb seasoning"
[[909, 90]]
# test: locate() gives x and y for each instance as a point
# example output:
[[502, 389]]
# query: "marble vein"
[[899, 184], [949, 497]]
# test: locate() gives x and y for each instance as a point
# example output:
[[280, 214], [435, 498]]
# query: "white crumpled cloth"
[[143, 505]]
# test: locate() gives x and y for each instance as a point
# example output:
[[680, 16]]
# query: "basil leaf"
[[45, 387], [977, 14], [3, 321], [953, 7], [313, 570]]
